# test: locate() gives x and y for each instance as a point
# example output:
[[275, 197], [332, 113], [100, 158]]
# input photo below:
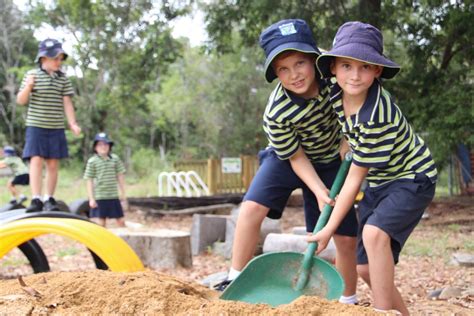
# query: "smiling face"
[[52, 64], [354, 77], [297, 73]]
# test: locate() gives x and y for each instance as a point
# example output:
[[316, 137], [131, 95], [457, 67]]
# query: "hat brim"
[[51, 53], [296, 46], [362, 53]]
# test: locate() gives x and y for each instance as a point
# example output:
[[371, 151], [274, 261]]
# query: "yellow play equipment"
[[114, 251]]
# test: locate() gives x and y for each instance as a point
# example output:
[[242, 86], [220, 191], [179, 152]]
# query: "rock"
[[435, 294], [299, 230], [463, 259], [449, 292]]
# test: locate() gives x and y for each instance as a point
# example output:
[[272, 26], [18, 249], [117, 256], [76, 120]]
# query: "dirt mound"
[[149, 292]]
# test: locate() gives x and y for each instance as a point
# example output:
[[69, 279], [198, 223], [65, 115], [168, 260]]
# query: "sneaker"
[[221, 286], [13, 202], [51, 206], [35, 206], [22, 199]]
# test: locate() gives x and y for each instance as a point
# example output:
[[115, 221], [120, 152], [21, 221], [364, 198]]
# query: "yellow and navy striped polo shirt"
[[104, 171], [382, 139], [290, 121], [46, 108], [16, 164]]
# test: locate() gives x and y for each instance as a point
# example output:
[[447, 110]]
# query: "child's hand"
[[322, 238], [124, 203], [76, 129], [323, 198], [92, 203], [30, 82]]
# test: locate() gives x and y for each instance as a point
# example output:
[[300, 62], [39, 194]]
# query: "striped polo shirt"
[[46, 106], [382, 139], [104, 171], [16, 164], [290, 121]]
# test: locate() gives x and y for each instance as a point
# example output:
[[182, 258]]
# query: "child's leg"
[[121, 222], [346, 261], [99, 220], [52, 167], [36, 175], [11, 187], [247, 233], [381, 270]]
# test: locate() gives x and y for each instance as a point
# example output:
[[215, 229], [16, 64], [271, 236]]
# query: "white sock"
[[233, 274], [22, 196], [348, 299], [36, 197], [46, 197]]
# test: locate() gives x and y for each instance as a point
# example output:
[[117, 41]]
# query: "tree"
[[17, 49]]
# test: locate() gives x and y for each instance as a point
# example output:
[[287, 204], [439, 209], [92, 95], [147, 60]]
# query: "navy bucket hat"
[[50, 48], [291, 34], [359, 41], [9, 151], [102, 137]]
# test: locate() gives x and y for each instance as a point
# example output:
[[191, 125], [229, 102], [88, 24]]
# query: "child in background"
[[20, 172], [48, 92], [303, 152], [104, 172], [396, 162]]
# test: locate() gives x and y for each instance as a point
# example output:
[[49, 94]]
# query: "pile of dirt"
[[148, 292]]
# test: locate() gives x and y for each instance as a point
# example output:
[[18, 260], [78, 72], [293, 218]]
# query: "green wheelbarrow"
[[281, 277]]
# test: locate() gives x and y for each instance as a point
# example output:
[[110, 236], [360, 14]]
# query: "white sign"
[[231, 165]]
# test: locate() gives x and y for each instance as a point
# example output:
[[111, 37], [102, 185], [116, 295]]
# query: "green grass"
[[71, 251], [13, 262], [71, 186]]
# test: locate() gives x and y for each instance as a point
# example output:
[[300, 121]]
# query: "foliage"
[[432, 40]]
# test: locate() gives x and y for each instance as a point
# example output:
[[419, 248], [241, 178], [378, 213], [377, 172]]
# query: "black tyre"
[[80, 207], [63, 207], [35, 255]]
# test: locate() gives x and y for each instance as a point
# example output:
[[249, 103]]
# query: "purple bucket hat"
[[50, 48], [359, 41]]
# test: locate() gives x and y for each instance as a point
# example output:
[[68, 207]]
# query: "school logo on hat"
[[50, 48], [359, 41], [291, 34]]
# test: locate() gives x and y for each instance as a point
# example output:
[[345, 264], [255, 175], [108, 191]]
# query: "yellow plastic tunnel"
[[113, 250]]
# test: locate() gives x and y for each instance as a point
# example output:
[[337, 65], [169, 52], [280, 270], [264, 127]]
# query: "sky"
[[191, 27]]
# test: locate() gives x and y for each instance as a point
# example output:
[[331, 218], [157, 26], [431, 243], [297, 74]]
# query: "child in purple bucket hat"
[[386, 151]]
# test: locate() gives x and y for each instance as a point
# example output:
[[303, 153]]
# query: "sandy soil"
[[177, 292]]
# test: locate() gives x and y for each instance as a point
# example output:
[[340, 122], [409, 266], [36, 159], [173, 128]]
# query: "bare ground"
[[425, 265]]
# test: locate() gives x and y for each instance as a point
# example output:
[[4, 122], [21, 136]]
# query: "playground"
[[426, 268]]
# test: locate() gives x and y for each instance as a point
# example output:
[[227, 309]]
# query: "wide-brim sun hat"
[[50, 48], [285, 35], [102, 137], [358, 41], [8, 151]]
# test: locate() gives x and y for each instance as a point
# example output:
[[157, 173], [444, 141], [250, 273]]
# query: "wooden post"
[[212, 175], [246, 171]]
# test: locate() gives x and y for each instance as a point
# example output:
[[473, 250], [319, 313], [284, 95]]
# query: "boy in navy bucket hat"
[[20, 172], [48, 93], [395, 161], [303, 152]]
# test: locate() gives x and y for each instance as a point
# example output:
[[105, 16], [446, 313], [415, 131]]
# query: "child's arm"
[[344, 202], [305, 171], [90, 193], [2, 164], [24, 95], [344, 148], [123, 196], [71, 115]]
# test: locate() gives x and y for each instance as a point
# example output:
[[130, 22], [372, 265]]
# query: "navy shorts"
[[107, 209], [22, 179], [45, 143], [396, 208], [275, 180]]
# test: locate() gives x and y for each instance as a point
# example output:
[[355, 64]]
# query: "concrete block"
[[161, 248], [207, 229], [299, 230], [295, 243]]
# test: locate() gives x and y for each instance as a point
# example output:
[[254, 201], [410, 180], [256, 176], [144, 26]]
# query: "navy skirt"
[[45, 143], [107, 209]]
